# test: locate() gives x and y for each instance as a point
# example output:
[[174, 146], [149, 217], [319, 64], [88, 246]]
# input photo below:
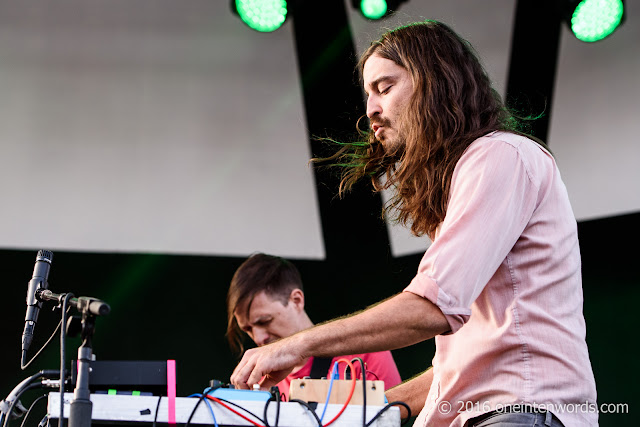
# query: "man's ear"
[[297, 298]]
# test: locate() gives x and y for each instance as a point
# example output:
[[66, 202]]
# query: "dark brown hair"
[[453, 104], [260, 272]]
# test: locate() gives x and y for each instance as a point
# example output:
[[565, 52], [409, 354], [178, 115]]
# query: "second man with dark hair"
[[266, 302]]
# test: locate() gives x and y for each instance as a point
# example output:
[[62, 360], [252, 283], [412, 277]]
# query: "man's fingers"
[[254, 376], [241, 373], [271, 362], [241, 380]]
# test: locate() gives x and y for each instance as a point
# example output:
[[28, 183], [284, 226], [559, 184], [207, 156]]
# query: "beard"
[[393, 141], [393, 137], [385, 153]]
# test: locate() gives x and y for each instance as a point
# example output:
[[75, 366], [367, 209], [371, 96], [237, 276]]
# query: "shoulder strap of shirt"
[[320, 367]]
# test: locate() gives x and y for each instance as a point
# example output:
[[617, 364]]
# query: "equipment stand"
[[81, 405]]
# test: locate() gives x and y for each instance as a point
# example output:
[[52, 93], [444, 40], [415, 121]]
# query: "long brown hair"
[[453, 104]]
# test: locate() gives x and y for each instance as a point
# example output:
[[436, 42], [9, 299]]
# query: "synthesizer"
[[143, 410]]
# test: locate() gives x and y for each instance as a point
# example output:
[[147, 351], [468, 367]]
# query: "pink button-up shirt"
[[504, 268]]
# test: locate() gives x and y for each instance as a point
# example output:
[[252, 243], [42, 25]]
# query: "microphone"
[[37, 282]]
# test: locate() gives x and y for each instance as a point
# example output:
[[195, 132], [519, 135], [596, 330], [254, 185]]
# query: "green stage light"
[[373, 9], [593, 20], [376, 9], [262, 15]]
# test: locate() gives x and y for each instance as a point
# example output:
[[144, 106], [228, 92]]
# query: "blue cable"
[[215, 422], [334, 376], [206, 392]]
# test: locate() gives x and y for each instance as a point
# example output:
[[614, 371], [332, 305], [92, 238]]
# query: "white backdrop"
[[168, 126]]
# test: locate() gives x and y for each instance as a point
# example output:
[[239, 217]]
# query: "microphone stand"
[[81, 405], [90, 308]]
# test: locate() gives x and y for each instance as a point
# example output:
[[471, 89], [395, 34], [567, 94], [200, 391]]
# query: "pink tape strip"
[[171, 391]]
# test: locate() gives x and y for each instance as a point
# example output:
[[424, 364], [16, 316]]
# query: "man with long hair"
[[500, 287]]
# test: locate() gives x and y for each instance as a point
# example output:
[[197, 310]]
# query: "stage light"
[[376, 9], [261, 15], [373, 9], [594, 20]]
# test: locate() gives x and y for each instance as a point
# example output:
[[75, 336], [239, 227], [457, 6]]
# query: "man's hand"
[[412, 392], [267, 365]]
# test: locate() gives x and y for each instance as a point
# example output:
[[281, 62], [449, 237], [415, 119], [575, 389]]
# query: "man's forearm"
[[412, 392], [400, 321]]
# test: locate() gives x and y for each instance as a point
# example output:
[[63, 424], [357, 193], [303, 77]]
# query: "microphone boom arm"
[[84, 305]]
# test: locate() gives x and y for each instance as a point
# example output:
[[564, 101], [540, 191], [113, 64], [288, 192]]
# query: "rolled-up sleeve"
[[493, 195]]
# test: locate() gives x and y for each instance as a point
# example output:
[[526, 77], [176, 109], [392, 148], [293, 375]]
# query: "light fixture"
[[376, 9], [261, 15], [593, 20]]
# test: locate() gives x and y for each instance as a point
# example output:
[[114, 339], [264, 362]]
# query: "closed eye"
[[264, 322], [385, 90]]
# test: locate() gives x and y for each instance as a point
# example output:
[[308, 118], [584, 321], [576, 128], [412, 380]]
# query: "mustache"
[[379, 121]]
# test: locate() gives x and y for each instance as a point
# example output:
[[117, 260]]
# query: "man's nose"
[[373, 106], [260, 336]]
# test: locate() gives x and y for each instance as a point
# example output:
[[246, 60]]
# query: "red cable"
[[353, 387], [215, 399]]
